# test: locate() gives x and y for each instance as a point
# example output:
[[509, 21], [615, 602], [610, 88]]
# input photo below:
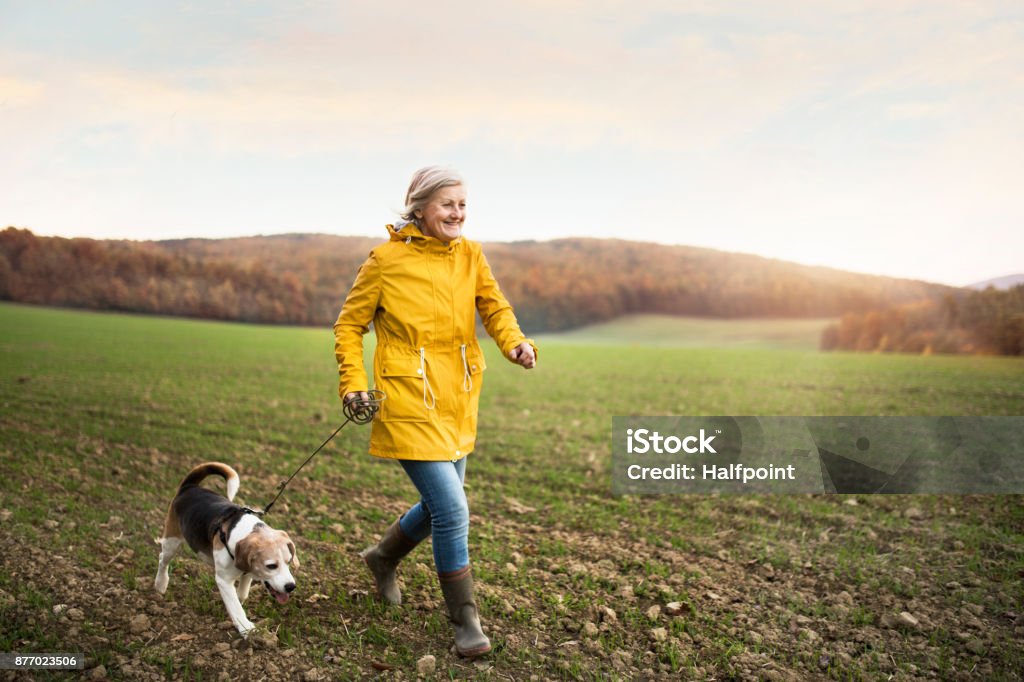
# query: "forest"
[[989, 322], [302, 279]]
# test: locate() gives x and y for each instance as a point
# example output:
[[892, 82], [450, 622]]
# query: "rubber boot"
[[457, 587], [383, 559]]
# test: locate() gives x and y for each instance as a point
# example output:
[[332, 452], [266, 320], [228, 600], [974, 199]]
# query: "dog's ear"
[[291, 548], [243, 553]]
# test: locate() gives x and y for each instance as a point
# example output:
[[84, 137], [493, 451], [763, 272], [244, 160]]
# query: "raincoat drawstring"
[[426, 383], [467, 378]]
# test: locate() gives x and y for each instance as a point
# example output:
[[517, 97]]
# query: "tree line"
[[989, 322], [568, 283], [555, 285], [141, 277]]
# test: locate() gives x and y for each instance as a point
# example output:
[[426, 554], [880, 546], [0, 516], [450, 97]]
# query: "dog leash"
[[360, 411]]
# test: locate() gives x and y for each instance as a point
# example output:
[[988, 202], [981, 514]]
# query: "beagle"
[[231, 538]]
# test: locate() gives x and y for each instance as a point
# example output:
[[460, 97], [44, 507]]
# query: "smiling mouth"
[[281, 597]]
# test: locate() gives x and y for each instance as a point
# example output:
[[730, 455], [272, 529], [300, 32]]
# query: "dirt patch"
[[558, 601]]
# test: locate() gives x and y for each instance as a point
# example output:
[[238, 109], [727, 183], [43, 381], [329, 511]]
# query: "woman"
[[422, 290]]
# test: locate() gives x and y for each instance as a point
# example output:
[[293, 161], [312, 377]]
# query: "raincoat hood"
[[405, 230]]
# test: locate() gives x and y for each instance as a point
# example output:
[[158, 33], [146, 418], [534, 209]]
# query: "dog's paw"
[[247, 630], [160, 584]]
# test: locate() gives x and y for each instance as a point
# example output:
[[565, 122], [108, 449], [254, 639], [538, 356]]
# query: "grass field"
[[103, 414], [697, 332]]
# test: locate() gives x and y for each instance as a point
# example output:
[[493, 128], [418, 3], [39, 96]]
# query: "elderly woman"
[[422, 290]]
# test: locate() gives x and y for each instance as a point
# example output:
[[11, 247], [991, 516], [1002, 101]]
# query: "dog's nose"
[[289, 588]]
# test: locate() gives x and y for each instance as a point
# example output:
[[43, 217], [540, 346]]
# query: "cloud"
[[654, 77], [753, 117], [687, 95], [17, 92]]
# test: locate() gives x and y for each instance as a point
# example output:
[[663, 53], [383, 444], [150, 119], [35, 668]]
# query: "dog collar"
[[224, 536]]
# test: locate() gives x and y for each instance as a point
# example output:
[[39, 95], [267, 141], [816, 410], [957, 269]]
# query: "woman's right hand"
[[358, 407], [356, 395]]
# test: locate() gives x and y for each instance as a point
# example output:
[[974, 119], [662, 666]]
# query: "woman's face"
[[444, 214]]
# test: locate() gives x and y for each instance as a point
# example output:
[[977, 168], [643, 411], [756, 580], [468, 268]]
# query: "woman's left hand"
[[523, 355]]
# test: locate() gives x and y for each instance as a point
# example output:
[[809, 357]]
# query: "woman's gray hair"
[[424, 183]]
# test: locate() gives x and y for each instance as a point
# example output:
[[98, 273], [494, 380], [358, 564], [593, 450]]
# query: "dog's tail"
[[196, 476]]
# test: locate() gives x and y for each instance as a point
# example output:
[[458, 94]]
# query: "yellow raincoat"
[[422, 296]]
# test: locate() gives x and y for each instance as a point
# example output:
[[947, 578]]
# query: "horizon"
[[519, 241], [879, 139]]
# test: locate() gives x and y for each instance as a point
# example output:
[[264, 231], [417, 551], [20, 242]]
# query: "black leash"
[[360, 411]]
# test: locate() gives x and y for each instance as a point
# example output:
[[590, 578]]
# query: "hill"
[[1001, 283], [556, 285]]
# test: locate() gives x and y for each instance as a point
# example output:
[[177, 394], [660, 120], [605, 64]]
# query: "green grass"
[[698, 332], [102, 414]]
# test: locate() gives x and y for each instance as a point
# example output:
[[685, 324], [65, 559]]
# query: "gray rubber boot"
[[457, 587], [383, 559]]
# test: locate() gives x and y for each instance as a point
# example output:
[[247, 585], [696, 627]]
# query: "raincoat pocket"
[[401, 378], [472, 366]]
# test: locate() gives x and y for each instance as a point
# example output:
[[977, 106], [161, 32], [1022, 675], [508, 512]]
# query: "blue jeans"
[[442, 511]]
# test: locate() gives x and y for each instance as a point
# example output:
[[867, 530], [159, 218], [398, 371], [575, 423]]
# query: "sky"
[[883, 137]]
